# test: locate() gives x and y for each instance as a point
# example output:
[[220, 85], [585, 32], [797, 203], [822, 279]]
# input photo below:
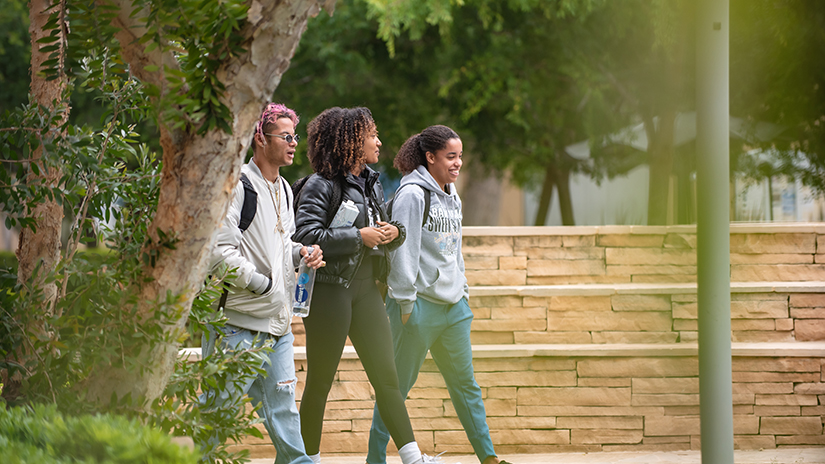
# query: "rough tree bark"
[[199, 172], [42, 246]]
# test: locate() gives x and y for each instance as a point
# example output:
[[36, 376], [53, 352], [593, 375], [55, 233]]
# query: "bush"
[[42, 435]]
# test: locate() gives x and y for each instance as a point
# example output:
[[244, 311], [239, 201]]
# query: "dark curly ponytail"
[[414, 151], [335, 140]]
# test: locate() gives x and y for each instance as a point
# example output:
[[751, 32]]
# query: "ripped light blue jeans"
[[275, 391]]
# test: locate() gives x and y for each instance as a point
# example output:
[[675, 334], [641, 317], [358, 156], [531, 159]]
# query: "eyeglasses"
[[288, 137]]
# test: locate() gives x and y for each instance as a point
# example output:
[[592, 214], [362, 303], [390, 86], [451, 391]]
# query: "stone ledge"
[[642, 288], [737, 228], [742, 350]]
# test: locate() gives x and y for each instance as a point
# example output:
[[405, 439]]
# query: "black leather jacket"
[[343, 247]]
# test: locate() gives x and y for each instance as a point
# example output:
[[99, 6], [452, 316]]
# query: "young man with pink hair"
[[258, 303]]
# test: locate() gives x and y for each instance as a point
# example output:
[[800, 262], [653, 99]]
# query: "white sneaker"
[[433, 459]]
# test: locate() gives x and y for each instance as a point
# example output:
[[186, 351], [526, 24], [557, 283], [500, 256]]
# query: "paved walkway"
[[777, 456]]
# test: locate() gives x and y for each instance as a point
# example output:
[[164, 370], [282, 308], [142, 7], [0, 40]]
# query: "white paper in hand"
[[345, 216]]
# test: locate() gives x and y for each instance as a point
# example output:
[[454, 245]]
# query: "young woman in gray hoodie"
[[427, 299]]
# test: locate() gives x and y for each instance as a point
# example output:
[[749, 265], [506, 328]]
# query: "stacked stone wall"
[[585, 339]]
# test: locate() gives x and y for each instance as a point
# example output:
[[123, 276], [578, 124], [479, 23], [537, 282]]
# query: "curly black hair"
[[335, 140], [414, 151]]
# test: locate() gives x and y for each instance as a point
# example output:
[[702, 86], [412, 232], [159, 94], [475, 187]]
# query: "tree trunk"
[[546, 195], [38, 250], [565, 200], [660, 162], [42, 246], [199, 173]]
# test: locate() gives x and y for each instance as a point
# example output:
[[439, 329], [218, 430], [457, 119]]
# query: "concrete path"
[[776, 456]]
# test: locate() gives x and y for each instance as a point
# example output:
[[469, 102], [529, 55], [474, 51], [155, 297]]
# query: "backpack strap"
[[250, 204], [427, 195], [337, 198]]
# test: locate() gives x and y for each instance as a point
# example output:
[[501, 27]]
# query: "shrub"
[[41, 434]]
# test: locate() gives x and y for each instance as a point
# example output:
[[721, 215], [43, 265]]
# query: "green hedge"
[[42, 435]]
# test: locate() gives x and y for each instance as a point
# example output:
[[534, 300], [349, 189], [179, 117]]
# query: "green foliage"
[[15, 54], [44, 435]]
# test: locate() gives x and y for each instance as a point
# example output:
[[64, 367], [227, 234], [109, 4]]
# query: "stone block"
[[353, 376], [680, 241], [579, 303], [343, 442], [604, 382], [807, 313], [778, 388], [754, 442], [349, 390], [668, 385], [559, 267], [537, 241], [493, 408], [777, 272], [786, 400], [502, 364], [773, 243], [756, 309], [605, 411], [760, 377], [664, 400], [800, 440], [611, 422], [817, 388], [502, 392], [521, 423], [484, 263], [604, 436], [771, 258], [429, 393], [762, 364], [487, 246], [556, 364], [661, 440], [650, 257], [569, 241], [608, 321], [566, 280], [642, 448], [640, 302], [663, 279], [566, 253], [756, 336], [511, 262], [430, 379], [785, 324], [538, 338], [491, 338], [526, 379], [820, 243], [688, 337], [670, 426], [487, 278], [508, 325], [664, 270], [581, 396], [745, 425], [809, 329], [639, 367], [754, 324], [763, 411], [790, 426], [518, 313], [497, 301], [685, 324], [480, 312], [819, 258], [807, 300], [635, 337], [630, 240], [683, 298], [528, 437]]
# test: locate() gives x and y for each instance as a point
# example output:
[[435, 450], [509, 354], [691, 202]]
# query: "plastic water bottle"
[[303, 288]]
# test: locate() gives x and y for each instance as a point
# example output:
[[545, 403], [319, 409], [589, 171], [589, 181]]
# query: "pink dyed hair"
[[272, 112]]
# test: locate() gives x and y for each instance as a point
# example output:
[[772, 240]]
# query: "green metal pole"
[[713, 230]]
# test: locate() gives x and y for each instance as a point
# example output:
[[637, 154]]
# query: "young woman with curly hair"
[[427, 302], [346, 301]]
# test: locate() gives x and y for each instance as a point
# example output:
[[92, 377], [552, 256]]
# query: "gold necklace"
[[277, 202]]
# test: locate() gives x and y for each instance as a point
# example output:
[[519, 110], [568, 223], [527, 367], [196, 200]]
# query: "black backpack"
[[427, 194], [337, 195]]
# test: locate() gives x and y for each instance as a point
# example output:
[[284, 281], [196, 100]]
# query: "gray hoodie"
[[429, 263]]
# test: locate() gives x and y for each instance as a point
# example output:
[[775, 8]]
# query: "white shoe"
[[433, 459]]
